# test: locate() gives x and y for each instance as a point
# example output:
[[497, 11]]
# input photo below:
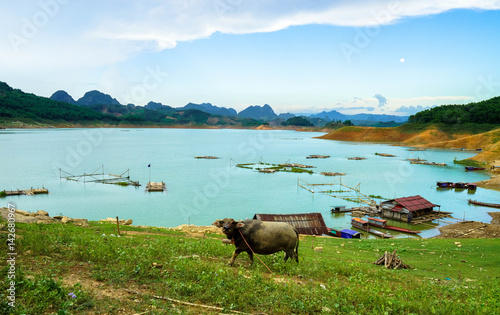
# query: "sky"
[[298, 56]]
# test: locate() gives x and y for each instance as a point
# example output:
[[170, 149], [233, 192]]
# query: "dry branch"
[[185, 303], [391, 261]]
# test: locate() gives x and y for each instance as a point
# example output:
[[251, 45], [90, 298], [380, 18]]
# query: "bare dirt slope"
[[472, 229]]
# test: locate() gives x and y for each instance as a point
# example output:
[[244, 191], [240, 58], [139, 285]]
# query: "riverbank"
[[481, 230], [63, 268], [485, 144]]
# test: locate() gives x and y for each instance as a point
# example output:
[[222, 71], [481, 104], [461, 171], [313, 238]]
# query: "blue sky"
[[372, 56]]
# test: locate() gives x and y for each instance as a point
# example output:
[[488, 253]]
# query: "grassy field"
[[64, 269]]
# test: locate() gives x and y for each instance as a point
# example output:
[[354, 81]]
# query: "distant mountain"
[[159, 107], [264, 113], [331, 115], [211, 109], [62, 96], [97, 98], [286, 116], [379, 117]]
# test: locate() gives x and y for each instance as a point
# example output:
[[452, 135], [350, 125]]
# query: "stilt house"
[[407, 208]]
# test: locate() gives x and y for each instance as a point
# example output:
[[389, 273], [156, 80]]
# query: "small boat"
[[471, 186], [345, 233], [383, 224], [485, 204], [472, 168], [365, 226], [444, 184]]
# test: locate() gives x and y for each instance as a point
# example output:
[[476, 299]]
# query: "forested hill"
[[17, 104], [485, 112]]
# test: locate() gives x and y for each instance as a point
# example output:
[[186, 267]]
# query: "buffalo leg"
[[235, 254], [250, 255]]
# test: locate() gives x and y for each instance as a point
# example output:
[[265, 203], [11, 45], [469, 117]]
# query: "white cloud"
[[136, 26]]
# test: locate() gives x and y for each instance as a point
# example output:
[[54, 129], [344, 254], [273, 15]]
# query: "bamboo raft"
[[27, 192], [207, 157], [332, 174], [385, 154], [315, 156], [156, 186], [428, 163], [357, 158]]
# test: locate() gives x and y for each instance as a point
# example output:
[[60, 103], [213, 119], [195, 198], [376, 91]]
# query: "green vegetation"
[[3, 193], [17, 104], [351, 129], [276, 167], [336, 124], [468, 162], [485, 112], [446, 279], [297, 121]]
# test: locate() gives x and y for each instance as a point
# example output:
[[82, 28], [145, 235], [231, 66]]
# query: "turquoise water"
[[200, 191]]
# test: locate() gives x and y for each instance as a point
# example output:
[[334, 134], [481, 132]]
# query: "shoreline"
[[465, 229]]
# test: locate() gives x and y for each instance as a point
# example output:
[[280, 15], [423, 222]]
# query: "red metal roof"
[[415, 203], [305, 223]]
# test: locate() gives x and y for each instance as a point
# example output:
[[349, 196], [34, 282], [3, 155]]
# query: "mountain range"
[[263, 113]]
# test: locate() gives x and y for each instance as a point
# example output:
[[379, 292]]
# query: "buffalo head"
[[228, 226]]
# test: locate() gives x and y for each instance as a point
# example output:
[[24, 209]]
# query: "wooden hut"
[[407, 208]]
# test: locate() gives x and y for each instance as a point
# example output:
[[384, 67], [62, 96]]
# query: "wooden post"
[[118, 225]]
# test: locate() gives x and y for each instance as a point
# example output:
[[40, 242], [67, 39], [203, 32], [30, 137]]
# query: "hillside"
[[369, 134], [16, 104], [485, 112], [430, 136]]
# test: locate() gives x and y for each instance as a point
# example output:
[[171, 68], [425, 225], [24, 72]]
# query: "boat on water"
[[381, 223], [485, 204], [345, 233], [472, 168], [461, 185], [365, 226]]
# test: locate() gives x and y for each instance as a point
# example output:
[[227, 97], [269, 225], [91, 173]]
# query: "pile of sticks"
[[391, 261]]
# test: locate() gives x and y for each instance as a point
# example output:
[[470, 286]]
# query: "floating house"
[[305, 223], [340, 209], [156, 186], [406, 209]]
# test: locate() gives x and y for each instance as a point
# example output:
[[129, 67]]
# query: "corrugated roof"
[[305, 223], [415, 203]]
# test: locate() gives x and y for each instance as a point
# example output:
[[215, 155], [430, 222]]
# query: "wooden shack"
[[406, 209], [305, 223]]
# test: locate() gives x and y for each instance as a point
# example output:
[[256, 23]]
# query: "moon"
[[402, 60]]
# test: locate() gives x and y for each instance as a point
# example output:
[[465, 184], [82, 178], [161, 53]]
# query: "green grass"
[[446, 279], [468, 162]]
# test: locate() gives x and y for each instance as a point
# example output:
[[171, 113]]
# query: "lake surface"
[[200, 191]]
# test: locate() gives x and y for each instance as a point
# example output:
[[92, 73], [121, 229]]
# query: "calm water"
[[200, 191]]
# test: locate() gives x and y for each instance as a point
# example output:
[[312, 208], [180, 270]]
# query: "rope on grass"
[[253, 251]]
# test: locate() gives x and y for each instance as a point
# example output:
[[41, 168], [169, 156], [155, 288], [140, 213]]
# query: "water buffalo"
[[263, 237]]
